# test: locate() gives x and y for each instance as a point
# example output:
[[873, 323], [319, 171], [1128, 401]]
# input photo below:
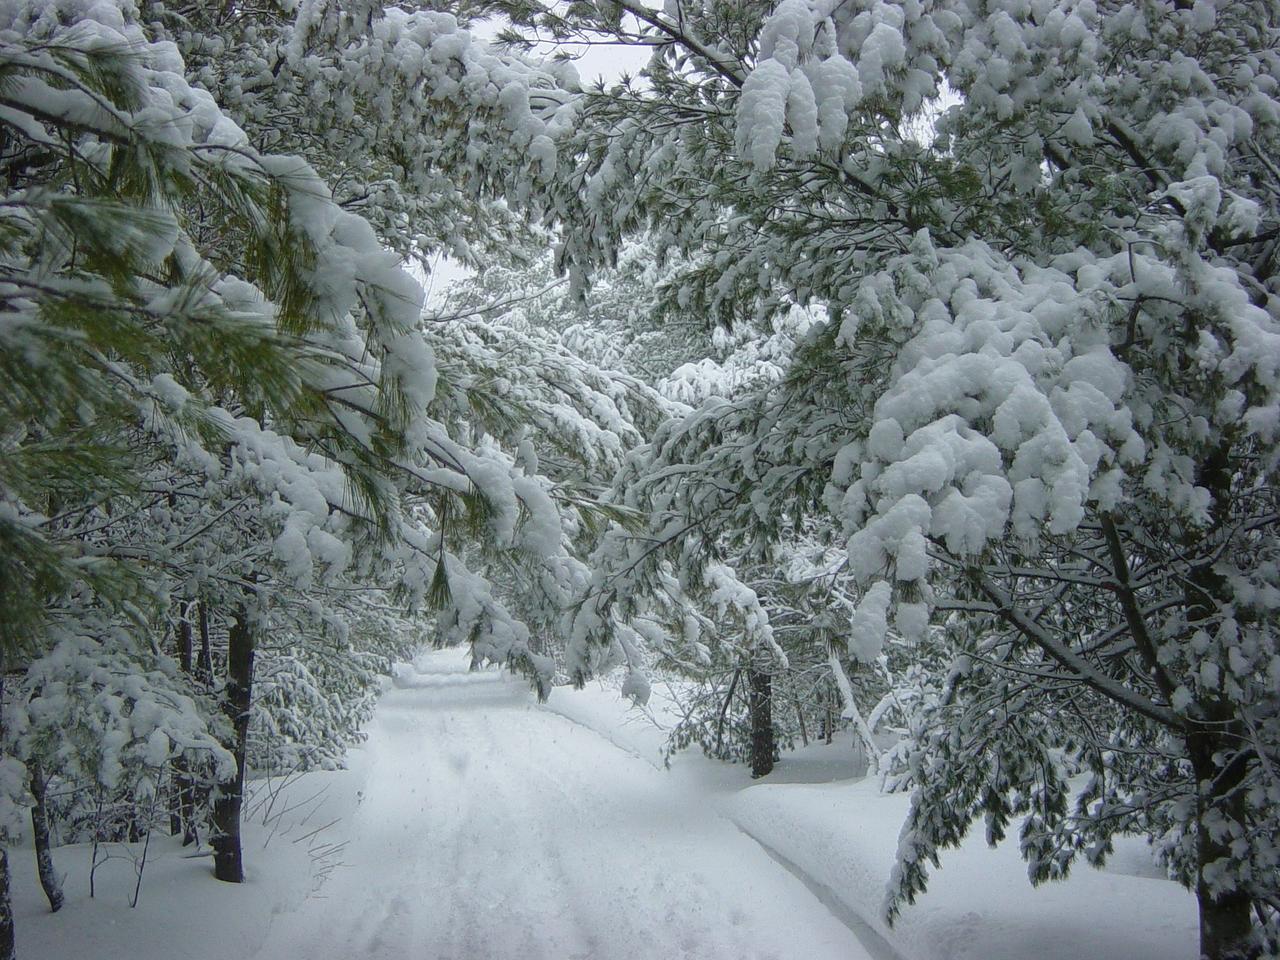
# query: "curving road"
[[492, 830]]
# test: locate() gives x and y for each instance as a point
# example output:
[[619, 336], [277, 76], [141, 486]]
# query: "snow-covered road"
[[490, 829]]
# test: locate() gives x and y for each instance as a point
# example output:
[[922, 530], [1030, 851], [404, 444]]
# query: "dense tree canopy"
[[1043, 413], [230, 442], [995, 415]]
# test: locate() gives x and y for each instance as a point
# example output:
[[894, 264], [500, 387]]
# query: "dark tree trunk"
[[7, 951], [204, 660], [183, 812], [185, 645], [40, 836], [1226, 920], [228, 863], [828, 717], [760, 711], [175, 806]]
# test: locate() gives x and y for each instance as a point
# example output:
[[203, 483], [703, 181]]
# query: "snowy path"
[[494, 830]]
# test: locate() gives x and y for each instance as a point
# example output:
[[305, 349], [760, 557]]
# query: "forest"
[[902, 372]]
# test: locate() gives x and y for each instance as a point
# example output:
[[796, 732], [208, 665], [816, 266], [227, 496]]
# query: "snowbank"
[[980, 905], [839, 834], [454, 757], [293, 841]]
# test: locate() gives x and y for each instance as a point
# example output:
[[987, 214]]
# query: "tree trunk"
[[1226, 919], [228, 863], [828, 716], [183, 812], [760, 711], [175, 808], [185, 645], [40, 836], [204, 660], [7, 951]]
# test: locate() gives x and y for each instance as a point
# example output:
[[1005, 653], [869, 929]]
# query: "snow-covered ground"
[[478, 824]]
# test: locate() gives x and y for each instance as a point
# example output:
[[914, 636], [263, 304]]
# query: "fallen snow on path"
[[476, 824], [490, 828], [980, 904], [838, 833]]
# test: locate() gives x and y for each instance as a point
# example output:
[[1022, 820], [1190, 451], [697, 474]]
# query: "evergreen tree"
[[218, 396], [1043, 410], [1039, 421]]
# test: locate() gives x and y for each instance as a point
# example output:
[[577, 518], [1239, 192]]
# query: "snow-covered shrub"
[[111, 728]]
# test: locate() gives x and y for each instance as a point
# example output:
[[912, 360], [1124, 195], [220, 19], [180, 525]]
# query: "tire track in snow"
[[875, 943], [495, 830], [877, 946], [612, 741]]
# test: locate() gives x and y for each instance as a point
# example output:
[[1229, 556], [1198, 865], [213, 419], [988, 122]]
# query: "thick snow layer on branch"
[[1005, 413], [729, 595], [140, 719], [762, 112], [867, 626], [819, 61]]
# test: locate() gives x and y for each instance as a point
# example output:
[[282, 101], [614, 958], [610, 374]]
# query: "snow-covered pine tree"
[[618, 324], [369, 94], [126, 330], [1054, 327], [203, 345], [624, 320], [423, 130], [721, 554]]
